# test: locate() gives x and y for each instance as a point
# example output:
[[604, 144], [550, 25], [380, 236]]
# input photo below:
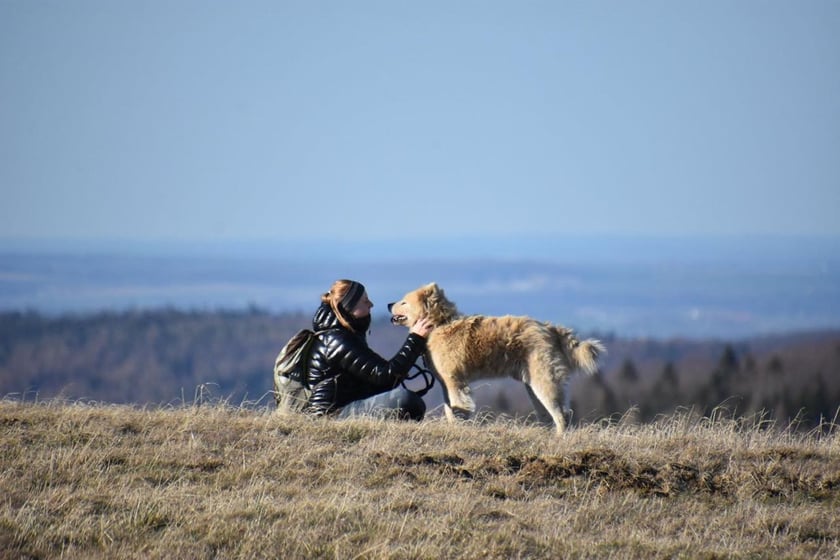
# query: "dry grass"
[[98, 481]]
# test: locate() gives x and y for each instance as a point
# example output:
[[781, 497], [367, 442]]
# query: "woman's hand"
[[422, 327]]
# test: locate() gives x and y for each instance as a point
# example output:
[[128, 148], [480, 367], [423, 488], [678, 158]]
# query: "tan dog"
[[465, 348]]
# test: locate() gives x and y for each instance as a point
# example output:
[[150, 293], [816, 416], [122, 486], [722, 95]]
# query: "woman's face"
[[362, 308]]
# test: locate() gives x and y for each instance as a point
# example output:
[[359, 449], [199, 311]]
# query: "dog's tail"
[[583, 355]]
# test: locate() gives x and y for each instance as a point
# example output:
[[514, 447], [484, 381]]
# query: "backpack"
[[291, 391]]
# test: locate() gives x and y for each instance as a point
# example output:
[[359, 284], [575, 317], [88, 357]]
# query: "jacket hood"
[[325, 318]]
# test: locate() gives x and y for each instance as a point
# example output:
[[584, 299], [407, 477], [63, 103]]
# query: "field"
[[83, 480]]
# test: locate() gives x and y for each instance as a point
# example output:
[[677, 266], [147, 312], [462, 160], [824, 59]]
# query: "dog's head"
[[426, 301]]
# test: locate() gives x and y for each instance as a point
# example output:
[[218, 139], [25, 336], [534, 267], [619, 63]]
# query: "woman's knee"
[[411, 405]]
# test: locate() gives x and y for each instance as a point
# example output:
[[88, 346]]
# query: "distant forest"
[[173, 356]]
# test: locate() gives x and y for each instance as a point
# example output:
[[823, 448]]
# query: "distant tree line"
[[171, 355], [798, 384], [142, 356]]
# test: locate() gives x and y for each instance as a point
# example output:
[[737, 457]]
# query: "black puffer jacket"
[[343, 368]]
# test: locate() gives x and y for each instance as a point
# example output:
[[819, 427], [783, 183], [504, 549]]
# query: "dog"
[[463, 348]]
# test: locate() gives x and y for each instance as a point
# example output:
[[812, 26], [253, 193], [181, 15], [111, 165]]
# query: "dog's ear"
[[432, 295], [428, 296], [436, 306], [439, 294]]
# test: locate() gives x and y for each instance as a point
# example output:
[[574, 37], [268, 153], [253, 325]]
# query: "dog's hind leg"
[[543, 415], [548, 398]]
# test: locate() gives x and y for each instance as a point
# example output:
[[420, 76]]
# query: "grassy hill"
[[213, 481]]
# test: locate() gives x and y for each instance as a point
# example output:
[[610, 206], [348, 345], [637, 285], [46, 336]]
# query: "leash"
[[425, 373]]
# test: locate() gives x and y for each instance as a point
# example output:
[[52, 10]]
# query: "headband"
[[352, 296]]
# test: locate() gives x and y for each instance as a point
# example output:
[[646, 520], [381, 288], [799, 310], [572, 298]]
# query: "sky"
[[173, 121]]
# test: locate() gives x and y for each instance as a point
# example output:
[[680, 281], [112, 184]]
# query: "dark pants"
[[400, 403]]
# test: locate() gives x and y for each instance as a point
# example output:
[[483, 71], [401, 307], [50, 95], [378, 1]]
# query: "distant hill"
[[169, 355], [632, 289]]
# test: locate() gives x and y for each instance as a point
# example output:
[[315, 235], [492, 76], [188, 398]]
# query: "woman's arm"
[[353, 355]]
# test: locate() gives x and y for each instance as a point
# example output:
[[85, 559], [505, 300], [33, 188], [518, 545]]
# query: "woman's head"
[[350, 303]]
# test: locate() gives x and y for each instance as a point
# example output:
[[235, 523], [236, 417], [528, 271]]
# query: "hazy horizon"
[[702, 287]]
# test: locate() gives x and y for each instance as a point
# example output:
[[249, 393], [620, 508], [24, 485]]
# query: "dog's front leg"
[[457, 400], [447, 407]]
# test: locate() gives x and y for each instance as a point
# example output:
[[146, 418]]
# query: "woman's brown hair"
[[340, 291]]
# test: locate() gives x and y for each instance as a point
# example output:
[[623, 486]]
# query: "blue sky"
[[218, 121]]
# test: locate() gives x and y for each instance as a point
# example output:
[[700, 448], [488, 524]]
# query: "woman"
[[345, 375]]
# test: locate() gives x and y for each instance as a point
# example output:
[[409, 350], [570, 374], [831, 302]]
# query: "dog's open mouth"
[[398, 319]]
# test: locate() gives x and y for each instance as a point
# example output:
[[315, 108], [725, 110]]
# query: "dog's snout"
[[390, 305]]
